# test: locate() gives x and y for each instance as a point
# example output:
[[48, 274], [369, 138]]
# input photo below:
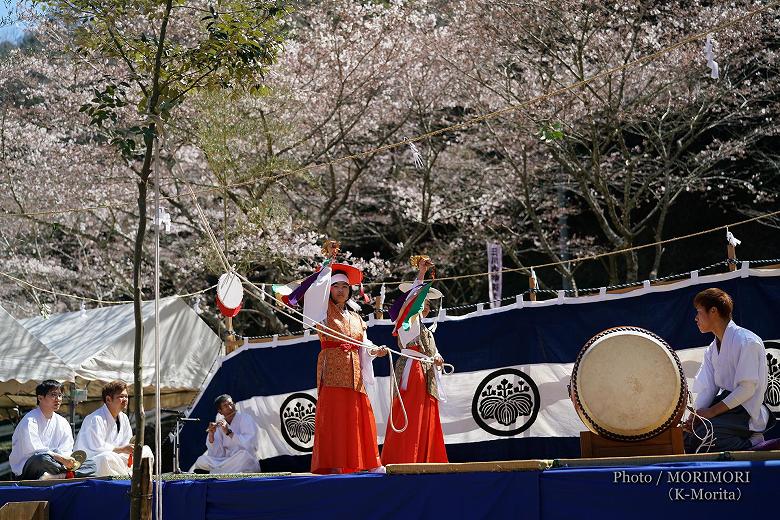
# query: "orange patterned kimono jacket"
[[344, 427]]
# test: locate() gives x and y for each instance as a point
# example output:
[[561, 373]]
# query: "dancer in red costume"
[[345, 429], [422, 440]]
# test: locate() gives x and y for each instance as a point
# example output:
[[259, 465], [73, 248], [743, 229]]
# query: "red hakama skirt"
[[344, 432], [423, 439]]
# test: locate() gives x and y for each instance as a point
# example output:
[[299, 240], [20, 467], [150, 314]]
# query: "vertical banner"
[[495, 266]]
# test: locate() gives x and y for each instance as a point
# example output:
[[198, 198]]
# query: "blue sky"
[[8, 32]]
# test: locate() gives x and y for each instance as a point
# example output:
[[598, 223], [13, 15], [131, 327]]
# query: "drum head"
[[628, 384]]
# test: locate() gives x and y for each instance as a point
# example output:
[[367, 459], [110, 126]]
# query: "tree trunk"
[[136, 498], [136, 493]]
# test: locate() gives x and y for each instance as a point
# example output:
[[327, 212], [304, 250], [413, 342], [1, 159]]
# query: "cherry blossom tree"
[[151, 56]]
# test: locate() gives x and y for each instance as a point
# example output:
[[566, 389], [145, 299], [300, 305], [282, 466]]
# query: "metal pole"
[[157, 423]]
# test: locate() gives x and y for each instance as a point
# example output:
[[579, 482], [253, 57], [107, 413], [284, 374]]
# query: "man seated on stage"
[[231, 442], [731, 382], [42, 442], [105, 434]]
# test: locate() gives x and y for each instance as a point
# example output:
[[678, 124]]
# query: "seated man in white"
[[42, 442], [105, 434], [231, 442]]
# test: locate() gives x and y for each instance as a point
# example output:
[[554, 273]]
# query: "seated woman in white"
[[105, 434], [231, 442]]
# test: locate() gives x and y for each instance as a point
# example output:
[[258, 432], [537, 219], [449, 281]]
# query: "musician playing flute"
[[231, 441]]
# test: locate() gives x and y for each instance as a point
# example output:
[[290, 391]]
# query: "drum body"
[[628, 385]]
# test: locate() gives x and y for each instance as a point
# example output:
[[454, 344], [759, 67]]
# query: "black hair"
[[43, 389], [47, 386], [221, 399]]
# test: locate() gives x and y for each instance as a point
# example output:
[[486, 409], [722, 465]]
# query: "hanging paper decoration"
[[416, 156], [366, 298], [163, 219], [732, 240], [495, 267], [711, 63]]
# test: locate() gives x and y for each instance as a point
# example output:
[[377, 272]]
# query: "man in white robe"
[[231, 441], [105, 434], [731, 381], [42, 442]]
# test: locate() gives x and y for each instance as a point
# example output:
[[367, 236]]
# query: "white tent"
[[24, 357], [96, 346], [24, 361], [99, 343]]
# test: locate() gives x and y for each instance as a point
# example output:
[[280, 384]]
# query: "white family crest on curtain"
[[772, 395]]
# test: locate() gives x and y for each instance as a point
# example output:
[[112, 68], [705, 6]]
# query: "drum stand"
[[668, 442]]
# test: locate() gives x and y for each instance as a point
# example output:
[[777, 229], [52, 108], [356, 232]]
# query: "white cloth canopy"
[[25, 357], [95, 348], [99, 343]]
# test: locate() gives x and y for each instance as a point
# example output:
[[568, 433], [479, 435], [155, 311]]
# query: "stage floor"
[[621, 489]]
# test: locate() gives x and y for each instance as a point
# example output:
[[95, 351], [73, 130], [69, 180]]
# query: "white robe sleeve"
[[245, 433], [704, 383], [751, 356], [366, 365], [126, 433], [743, 392], [29, 440], [92, 436], [64, 437]]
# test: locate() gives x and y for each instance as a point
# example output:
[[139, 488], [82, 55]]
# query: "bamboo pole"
[[146, 488], [230, 338], [732, 254]]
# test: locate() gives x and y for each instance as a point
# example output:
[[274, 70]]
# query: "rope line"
[[20, 281], [597, 255], [573, 292], [321, 328]]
